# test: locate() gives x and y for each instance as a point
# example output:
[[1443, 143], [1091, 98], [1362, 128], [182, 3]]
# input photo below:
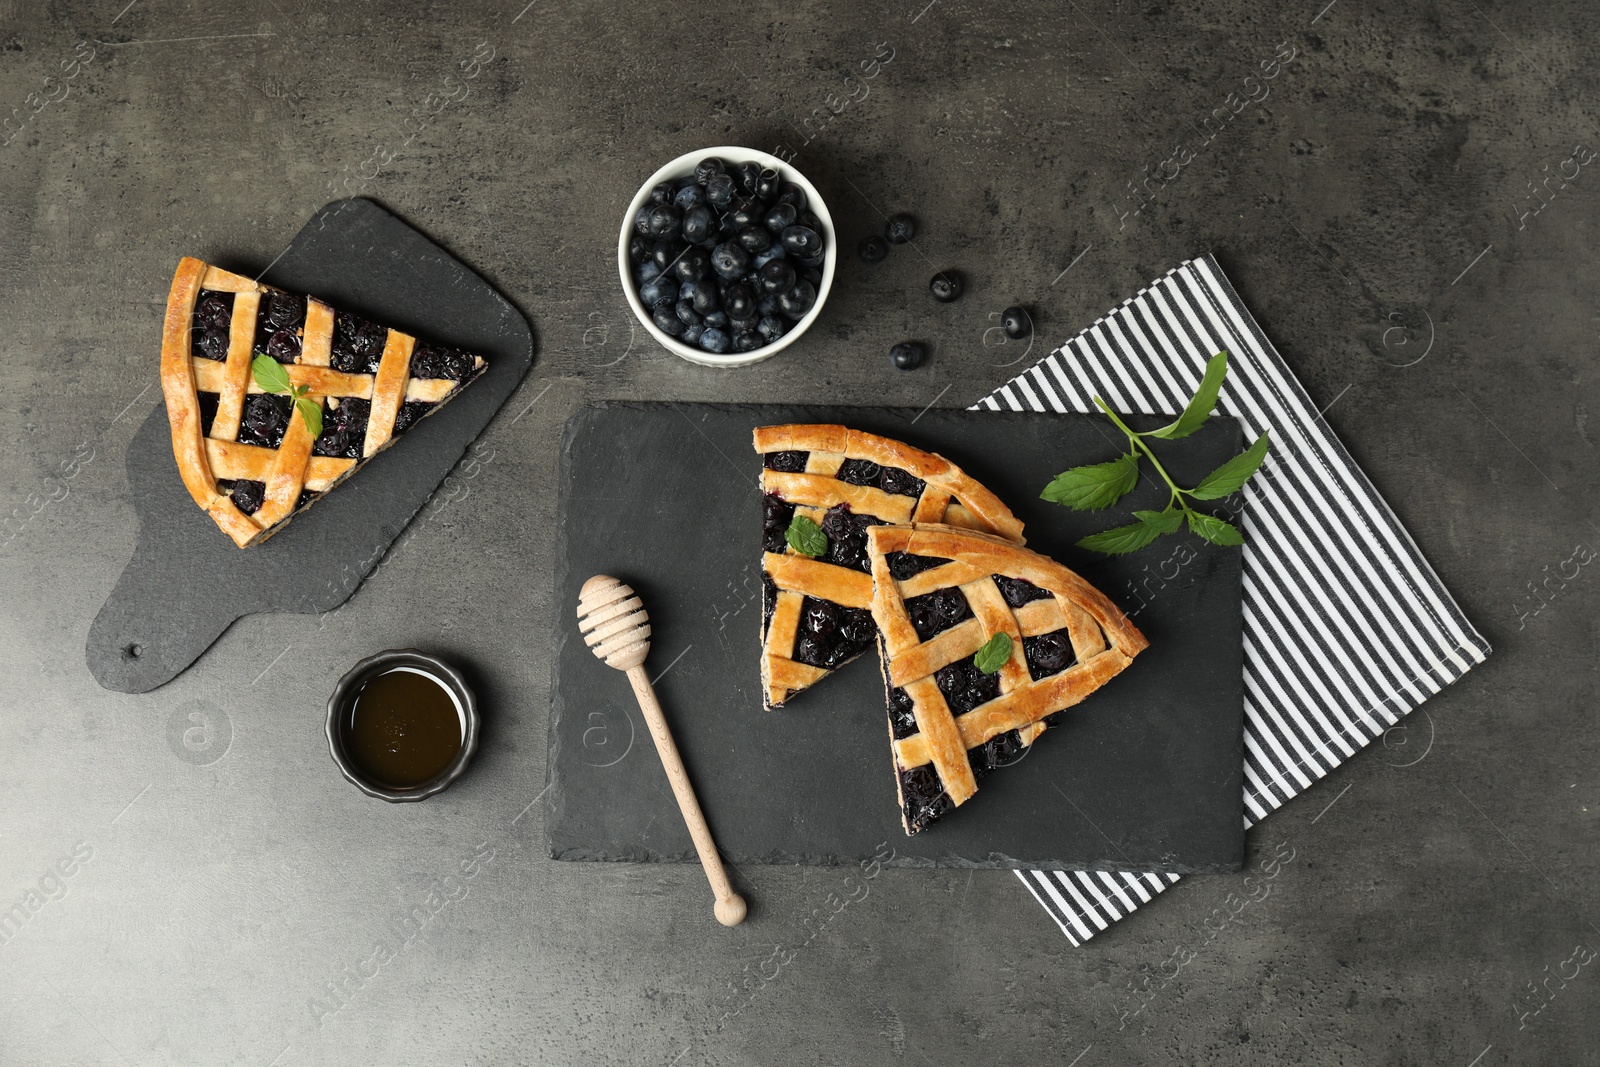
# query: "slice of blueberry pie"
[[274, 398], [982, 644], [823, 488]]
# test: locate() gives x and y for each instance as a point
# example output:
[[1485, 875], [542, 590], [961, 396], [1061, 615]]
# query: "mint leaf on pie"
[[270, 375], [272, 378], [806, 537], [994, 654], [1215, 530], [1231, 476], [1096, 486], [1121, 539], [311, 412], [1205, 399]]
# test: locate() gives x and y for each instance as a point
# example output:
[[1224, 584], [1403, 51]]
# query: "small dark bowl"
[[439, 671]]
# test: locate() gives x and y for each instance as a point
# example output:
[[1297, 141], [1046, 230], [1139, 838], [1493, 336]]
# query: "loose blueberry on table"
[[945, 286], [748, 243], [908, 355], [900, 229], [1016, 322]]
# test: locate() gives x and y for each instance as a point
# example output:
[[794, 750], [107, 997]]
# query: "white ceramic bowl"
[[683, 166]]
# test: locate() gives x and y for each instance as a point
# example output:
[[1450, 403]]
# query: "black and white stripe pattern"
[[1346, 627]]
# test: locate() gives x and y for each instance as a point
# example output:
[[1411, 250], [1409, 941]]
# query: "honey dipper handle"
[[730, 906]]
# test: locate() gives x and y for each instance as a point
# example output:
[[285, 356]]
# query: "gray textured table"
[[198, 887]]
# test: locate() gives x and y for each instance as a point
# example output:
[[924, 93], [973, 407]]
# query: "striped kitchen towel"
[[1346, 627]]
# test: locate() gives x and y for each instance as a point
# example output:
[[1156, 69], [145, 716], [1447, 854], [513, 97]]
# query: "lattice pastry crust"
[[948, 722], [393, 381], [816, 615]]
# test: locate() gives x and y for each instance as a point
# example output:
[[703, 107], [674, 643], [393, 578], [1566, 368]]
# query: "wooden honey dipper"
[[616, 627]]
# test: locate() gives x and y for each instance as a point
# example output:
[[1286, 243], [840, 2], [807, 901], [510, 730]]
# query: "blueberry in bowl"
[[727, 255]]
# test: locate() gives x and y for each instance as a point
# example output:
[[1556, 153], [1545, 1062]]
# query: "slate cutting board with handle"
[[1145, 775], [187, 582]]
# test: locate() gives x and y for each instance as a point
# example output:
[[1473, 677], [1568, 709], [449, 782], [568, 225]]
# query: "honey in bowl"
[[403, 728]]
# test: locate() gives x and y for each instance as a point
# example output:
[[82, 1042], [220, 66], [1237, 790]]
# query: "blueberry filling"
[[281, 345], [788, 462], [209, 343], [775, 518], [964, 686], [357, 344], [933, 613], [213, 316], [903, 565], [902, 721], [1019, 591], [435, 361], [278, 327], [283, 311], [859, 472], [924, 796], [829, 635], [249, 495], [847, 538], [901, 483], [1049, 653], [208, 411], [213, 309], [1001, 750], [265, 418], [344, 429], [410, 413]]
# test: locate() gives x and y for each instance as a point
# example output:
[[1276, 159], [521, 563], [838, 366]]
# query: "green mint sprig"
[[272, 378], [806, 537], [994, 654], [1099, 485]]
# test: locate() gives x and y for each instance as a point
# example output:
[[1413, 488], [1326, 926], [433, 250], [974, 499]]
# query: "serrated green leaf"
[[1205, 399], [311, 412], [806, 537], [269, 374], [1121, 539], [1164, 521], [1215, 530], [994, 654], [1096, 486], [1231, 476]]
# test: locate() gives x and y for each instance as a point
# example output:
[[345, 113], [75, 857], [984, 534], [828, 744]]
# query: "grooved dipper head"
[[613, 622]]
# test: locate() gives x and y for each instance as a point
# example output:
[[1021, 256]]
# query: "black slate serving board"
[[1144, 776], [187, 582]]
